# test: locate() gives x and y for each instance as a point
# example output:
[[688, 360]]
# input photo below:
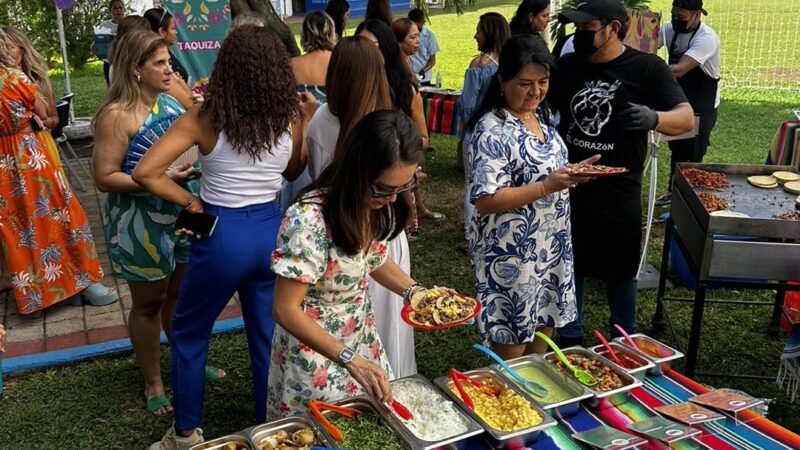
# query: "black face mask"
[[583, 41], [680, 26]]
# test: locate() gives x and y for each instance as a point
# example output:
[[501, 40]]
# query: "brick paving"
[[64, 326]]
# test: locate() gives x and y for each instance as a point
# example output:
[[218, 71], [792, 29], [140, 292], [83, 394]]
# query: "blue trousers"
[[236, 258], [621, 301]]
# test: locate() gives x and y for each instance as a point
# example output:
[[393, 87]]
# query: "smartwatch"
[[346, 356]]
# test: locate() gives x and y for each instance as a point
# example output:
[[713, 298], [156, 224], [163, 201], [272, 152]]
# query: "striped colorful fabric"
[[753, 432]]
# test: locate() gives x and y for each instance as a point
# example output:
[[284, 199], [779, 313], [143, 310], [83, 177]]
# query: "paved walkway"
[[86, 330]]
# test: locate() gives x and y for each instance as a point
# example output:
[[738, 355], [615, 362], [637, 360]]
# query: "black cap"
[[691, 5], [594, 10]]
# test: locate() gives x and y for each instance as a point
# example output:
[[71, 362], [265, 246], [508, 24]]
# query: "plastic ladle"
[[628, 338], [581, 375], [610, 350], [531, 386]]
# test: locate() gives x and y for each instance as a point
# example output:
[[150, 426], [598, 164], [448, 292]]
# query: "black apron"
[[700, 88]]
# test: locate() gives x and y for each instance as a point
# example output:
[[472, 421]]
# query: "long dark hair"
[[518, 52], [252, 102], [159, 18], [495, 31], [397, 71], [377, 143], [379, 10], [521, 23], [336, 9]]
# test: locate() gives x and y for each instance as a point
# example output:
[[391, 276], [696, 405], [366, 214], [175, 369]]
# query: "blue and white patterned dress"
[[522, 257]]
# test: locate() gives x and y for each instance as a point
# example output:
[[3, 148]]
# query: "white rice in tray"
[[435, 417]]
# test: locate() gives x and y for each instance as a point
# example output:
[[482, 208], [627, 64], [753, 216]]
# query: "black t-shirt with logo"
[[606, 213]]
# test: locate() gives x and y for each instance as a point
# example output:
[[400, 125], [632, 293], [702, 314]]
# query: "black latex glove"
[[637, 118]]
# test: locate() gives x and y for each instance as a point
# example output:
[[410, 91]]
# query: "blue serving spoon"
[[530, 386]]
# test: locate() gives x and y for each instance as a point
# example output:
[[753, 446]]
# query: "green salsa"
[[555, 393], [365, 432]]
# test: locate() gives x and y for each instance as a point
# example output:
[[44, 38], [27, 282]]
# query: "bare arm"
[[152, 171], [392, 277], [181, 91], [418, 116], [287, 310], [40, 107], [110, 145], [683, 66], [431, 62], [297, 163], [51, 119], [678, 120]]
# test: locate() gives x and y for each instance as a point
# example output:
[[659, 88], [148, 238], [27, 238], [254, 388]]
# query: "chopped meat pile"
[[789, 215], [712, 201], [703, 179]]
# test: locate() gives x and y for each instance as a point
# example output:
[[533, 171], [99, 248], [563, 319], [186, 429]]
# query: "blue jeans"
[[621, 301], [236, 258]]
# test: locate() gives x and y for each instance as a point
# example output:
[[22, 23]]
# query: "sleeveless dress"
[[142, 244], [50, 252], [337, 300]]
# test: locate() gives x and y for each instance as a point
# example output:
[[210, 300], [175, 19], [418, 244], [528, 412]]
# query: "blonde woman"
[[142, 244], [47, 244]]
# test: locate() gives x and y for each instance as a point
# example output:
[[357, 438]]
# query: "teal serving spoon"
[[581, 375], [530, 386]]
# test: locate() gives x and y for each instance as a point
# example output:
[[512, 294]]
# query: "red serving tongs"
[[610, 350], [401, 410], [457, 377], [316, 408]]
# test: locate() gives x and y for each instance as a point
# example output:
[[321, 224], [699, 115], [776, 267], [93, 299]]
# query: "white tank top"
[[235, 180]]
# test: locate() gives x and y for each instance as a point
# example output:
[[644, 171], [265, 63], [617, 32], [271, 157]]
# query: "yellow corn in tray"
[[508, 412]]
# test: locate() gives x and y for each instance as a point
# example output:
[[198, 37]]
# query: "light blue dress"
[[476, 80], [522, 257]]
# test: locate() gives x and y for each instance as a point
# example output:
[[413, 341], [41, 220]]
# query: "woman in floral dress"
[[326, 346], [46, 239], [520, 238]]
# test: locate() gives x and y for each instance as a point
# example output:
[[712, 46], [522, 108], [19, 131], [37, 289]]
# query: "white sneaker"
[[171, 441]]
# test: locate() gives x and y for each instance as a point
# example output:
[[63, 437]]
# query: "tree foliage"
[[37, 19]]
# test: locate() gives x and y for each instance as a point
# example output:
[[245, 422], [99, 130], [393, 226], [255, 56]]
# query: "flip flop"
[[212, 374], [158, 401], [431, 216]]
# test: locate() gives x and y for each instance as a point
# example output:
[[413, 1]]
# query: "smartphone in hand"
[[200, 224]]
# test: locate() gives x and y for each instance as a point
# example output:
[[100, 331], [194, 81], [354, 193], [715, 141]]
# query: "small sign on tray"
[[663, 429], [607, 438], [689, 413], [726, 401]]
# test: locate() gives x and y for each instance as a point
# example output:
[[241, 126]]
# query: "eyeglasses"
[[377, 193]]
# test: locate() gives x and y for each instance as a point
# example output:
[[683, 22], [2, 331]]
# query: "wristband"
[[410, 291]]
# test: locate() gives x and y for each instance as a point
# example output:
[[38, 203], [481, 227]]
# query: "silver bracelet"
[[410, 291]]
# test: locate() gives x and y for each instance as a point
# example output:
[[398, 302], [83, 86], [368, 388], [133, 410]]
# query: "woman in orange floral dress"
[[45, 235]]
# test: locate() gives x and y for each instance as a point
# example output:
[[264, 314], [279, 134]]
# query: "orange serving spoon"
[[316, 408]]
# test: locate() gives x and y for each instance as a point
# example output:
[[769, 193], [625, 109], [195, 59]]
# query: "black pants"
[[693, 150], [106, 67]]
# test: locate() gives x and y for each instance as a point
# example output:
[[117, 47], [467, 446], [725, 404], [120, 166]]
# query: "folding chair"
[[62, 106]]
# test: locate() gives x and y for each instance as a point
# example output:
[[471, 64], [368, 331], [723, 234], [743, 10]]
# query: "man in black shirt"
[[609, 96]]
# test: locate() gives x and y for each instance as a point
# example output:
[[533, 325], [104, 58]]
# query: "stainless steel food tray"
[[473, 428], [364, 403], [500, 439], [577, 391], [604, 399], [290, 425], [645, 363], [660, 364], [240, 440]]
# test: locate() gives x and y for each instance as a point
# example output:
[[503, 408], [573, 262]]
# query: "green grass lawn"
[[99, 404]]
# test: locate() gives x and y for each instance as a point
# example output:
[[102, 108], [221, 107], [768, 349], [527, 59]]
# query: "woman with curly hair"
[[249, 133]]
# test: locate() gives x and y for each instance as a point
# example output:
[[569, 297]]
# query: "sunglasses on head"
[[378, 193]]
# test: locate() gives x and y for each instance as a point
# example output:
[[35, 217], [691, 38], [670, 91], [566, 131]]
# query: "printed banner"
[[202, 25], [645, 28], [64, 4]]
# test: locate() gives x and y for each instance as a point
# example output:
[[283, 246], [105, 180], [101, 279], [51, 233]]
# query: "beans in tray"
[[365, 432], [607, 380]]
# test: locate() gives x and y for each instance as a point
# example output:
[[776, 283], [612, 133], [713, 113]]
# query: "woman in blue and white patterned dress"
[[520, 239]]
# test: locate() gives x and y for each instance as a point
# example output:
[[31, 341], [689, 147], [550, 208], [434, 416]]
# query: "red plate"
[[404, 313], [601, 174]]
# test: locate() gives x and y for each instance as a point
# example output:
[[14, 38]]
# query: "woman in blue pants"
[[249, 135]]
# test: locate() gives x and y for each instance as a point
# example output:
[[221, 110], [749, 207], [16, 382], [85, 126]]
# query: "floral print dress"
[[522, 257], [49, 249], [337, 300]]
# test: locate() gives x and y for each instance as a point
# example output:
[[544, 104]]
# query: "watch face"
[[346, 355]]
